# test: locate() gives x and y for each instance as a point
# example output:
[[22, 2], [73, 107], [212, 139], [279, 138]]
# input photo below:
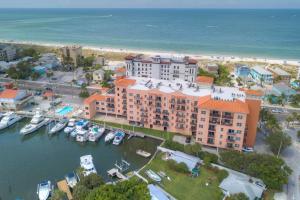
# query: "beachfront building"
[[7, 53], [280, 74], [73, 53], [212, 68], [242, 71], [261, 75], [11, 99], [221, 117], [162, 68]]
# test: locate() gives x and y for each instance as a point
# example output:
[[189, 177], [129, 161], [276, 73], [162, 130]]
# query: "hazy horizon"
[[187, 4]]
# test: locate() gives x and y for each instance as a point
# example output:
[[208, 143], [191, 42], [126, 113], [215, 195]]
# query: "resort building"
[[212, 68], [221, 117], [162, 68], [242, 71], [7, 53], [261, 75], [280, 74], [14, 99], [73, 52]]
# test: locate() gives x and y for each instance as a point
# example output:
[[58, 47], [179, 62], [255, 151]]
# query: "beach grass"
[[147, 131], [183, 186]]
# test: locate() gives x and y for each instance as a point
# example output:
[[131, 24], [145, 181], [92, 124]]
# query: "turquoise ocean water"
[[261, 33]]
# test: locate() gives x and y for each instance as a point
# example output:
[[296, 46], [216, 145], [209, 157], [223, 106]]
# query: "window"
[[203, 112], [239, 124], [222, 129], [238, 132], [202, 119], [221, 136], [236, 145], [240, 116], [200, 126]]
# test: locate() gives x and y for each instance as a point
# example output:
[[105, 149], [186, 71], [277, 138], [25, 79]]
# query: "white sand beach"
[[219, 58]]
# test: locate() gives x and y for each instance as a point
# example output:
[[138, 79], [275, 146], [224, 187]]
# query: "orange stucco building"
[[215, 116]]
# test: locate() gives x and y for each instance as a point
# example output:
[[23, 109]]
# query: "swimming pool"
[[65, 110]]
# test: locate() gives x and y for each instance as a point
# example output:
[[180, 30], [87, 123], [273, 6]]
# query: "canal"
[[27, 160]]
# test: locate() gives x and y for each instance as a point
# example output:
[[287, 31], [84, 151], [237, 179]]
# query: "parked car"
[[56, 102], [248, 149], [277, 110], [188, 140]]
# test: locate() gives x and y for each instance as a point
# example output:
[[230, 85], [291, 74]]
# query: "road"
[[58, 88]]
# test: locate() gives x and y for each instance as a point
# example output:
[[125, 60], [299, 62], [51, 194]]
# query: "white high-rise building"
[[162, 68]]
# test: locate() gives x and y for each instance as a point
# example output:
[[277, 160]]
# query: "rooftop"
[[9, 94], [261, 70], [179, 87], [280, 72], [162, 60], [205, 79]]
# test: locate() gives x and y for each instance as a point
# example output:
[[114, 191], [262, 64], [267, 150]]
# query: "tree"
[[80, 192], [58, 195], [84, 93], [91, 181], [298, 134], [35, 76], [272, 170], [289, 119], [30, 52], [133, 189], [23, 70], [202, 72], [193, 149], [278, 141], [89, 77], [238, 196]]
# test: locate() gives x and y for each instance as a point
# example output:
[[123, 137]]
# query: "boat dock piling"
[[63, 186]]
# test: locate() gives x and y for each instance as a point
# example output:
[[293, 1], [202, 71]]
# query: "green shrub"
[[178, 167], [209, 156], [174, 145]]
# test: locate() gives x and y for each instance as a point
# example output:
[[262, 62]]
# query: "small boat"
[[151, 174], [59, 126], [9, 119], [44, 190], [71, 126], [162, 174], [118, 137], [86, 162], [72, 179], [110, 136], [36, 122], [82, 124], [73, 133], [143, 153], [95, 133], [82, 135]]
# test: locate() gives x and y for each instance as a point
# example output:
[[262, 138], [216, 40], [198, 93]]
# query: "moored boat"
[[82, 124], [118, 137], [95, 133], [58, 126], [9, 119], [72, 179], [82, 135], [110, 136], [86, 162], [44, 190], [71, 126], [36, 122], [151, 174], [143, 153]]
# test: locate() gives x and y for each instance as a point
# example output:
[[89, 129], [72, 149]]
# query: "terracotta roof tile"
[[94, 97], [236, 106], [9, 94], [120, 70], [124, 82], [205, 79], [252, 92]]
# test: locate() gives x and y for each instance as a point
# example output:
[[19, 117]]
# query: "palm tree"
[[283, 98], [289, 119]]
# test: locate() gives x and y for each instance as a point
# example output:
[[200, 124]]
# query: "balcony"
[[210, 141], [157, 111], [214, 120], [165, 112], [230, 139], [193, 128], [226, 122], [179, 127], [157, 123], [157, 117], [158, 99], [166, 124], [212, 128], [211, 135], [180, 114], [193, 122], [165, 118], [181, 102], [194, 116], [214, 114], [158, 105], [227, 116], [124, 96]]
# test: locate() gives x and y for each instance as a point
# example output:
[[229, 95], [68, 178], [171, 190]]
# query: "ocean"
[[257, 33]]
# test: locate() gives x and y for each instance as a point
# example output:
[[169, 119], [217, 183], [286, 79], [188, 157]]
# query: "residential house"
[[261, 75], [98, 76], [205, 81], [212, 68], [99, 60], [282, 88], [280, 74]]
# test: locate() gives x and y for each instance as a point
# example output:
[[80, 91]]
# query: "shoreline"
[[219, 58]]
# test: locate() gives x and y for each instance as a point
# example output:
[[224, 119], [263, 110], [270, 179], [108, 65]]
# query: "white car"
[[277, 111], [248, 149]]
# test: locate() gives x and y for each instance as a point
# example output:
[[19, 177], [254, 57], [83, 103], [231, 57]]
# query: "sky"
[[149, 3]]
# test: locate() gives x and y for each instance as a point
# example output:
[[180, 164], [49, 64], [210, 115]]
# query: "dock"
[[114, 172], [63, 186]]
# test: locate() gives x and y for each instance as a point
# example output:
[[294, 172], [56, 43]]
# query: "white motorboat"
[[82, 124], [59, 126], [74, 133], [86, 162], [71, 126], [143, 153], [110, 136], [82, 135], [9, 119], [118, 137], [72, 179], [151, 174], [44, 190], [95, 133], [36, 122]]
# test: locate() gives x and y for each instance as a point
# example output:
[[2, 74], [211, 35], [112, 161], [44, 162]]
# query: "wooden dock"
[[114, 172], [63, 186]]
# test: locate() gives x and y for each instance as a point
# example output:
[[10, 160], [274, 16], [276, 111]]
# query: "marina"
[[54, 157]]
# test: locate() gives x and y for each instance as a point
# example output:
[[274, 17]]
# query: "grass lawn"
[[161, 134], [184, 187]]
